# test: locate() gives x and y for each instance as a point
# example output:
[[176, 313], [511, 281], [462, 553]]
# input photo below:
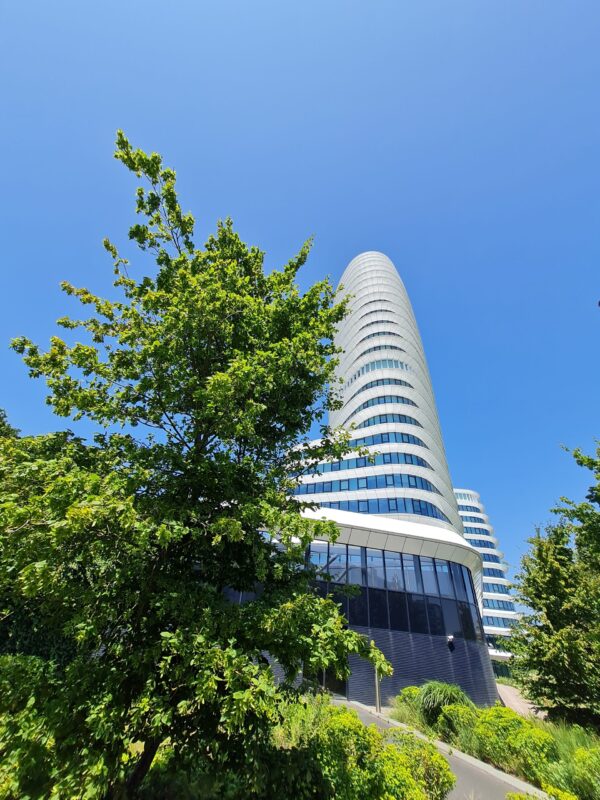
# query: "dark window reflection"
[[398, 611], [358, 609], [393, 571], [378, 610], [451, 619], [436, 619], [417, 614], [466, 620]]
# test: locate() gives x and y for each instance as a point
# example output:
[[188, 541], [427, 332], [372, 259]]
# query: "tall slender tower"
[[388, 402], [417, 580]]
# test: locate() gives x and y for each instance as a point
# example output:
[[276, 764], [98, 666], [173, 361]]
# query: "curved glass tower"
[[388, 402], [400, 533]]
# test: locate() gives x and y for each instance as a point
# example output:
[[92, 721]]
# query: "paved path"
[[474, 779], [512, 698]]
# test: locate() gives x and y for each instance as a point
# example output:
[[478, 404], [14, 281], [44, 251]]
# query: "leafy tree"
[[6, 429], [557, 645], [122, 561]]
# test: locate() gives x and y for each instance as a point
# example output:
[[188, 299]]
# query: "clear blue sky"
[[460, 138]]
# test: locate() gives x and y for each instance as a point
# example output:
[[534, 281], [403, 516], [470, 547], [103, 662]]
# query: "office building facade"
[[401, 539], [499, 612]]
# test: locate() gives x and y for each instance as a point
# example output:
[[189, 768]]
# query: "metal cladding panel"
[[418, 658]]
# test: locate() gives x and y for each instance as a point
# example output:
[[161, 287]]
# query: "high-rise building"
[[401, 539], [499, 611]]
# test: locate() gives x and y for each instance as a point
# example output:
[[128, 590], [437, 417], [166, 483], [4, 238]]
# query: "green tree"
[[121, 560], [557, 644]]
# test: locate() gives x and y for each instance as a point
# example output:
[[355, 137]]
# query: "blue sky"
[[460, 138]]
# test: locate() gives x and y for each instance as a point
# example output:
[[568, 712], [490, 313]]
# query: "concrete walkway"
[[512, 698], [474, 779]]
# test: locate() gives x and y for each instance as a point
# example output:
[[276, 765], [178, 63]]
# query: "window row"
[[381, 419], [383, 363], [378, 347], [476, 509], [476, 531], [390, 505], [490, 572], [379, 321], [380, 333], [466, 518], [370, 303], [399, 611], [380, 382], [377, 311], [384, 399], [499, 588], [465, 496], [397, 480], [485, 543], [365, 461], [500, 605], [491, 558], [387, 438], [387, 569], [498, 622]]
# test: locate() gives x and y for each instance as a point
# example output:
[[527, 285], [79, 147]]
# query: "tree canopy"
[[557, 644], [122, 559]]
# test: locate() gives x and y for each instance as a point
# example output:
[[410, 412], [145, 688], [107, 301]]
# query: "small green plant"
[[456, 724], [434, 695]]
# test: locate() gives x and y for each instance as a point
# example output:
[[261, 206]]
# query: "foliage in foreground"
[[557, 645], [118, 557], [560, 758], [320, 751]]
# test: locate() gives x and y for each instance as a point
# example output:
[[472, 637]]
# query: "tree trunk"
[[141, 768]]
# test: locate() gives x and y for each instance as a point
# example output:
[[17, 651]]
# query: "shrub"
[[579, 774], [409, 695], [434, 695], [552, 792], [456, 724], [428, 767], [513, 743], [319, 750]]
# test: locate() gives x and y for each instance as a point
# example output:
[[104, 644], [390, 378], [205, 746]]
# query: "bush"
[[552, 792], [427, 765], [456, 725], [409, 695], [513, 743], [579, 774], [319, 750], [434, 695]]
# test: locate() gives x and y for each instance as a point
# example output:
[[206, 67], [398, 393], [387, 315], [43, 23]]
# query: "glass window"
[[428, 573], [436, 618], [358, 609], [444, 579], [417, 614], [318, 555], [337, 563], [378, 610], [459, 584], [451, 619], [356, 567], [412, 573], [466, 620], [375, 570], [393, 571], [476, 623], [468, 586], [398, 611]]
